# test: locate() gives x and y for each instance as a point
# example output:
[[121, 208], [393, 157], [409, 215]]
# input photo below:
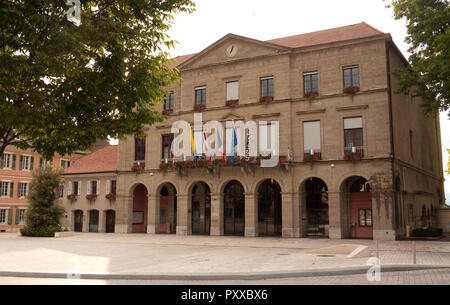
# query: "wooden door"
[[361, 215], [110, 221], [78, 227]]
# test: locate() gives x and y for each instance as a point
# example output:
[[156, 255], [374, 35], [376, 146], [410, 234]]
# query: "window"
[[310, 82], [65, 163], [200, 95], [8, 161], [311, 139], [6, 189], [365, 217], [167, 147], [267, 86], [3, 216], [93, 188], [139, 149], [20, 216], [170, 101], [44, 163], [351, 76], [26, 162], [265, 138], [353, 135], [138, 217], [233, 91], [23, 189], [61, 191], [111, 187], [75, 188]]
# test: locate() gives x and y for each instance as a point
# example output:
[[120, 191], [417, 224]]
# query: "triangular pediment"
[[232, 48], [231, 117]]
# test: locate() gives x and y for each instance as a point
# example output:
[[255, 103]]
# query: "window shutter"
[[311, 135], [79, 188], [31, 163], [108, 187], [70, 188], [21, 163], [10, 216], [17, 216], [1, 161], [18, 189], [88, 188], [98, 187], [13, 162], [11, 189]]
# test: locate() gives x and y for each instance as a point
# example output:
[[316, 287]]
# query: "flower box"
[[167, 111], [91, 197], [111, 197], [351, 90], [199, 107], [232, 103], [354, 156], [311, 95], [311, 158], [137, 167], [72, 197], [266, 99]]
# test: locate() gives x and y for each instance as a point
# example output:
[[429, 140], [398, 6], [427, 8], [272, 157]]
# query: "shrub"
[[427, 232], [42, 217]]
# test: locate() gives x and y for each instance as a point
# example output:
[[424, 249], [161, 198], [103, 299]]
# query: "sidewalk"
[[200, 257]]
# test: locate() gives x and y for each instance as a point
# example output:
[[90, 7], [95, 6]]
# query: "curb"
[[219, 276]]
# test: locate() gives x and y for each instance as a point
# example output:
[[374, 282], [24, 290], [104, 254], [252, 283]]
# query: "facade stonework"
[[397, 185]]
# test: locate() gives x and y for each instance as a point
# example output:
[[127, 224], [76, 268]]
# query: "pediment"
[[231, 117], [232, 48]]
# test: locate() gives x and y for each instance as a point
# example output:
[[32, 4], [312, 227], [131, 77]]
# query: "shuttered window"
[[3, 216], [311, 136], [232, 90]]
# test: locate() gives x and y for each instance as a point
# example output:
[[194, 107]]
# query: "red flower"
[[266, 99], [232, 103], [199, 107], [167, 111]]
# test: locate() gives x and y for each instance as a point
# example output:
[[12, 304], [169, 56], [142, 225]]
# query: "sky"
[[269, 19]]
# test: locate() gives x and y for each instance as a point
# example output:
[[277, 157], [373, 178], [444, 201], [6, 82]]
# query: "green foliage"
[[427, 232], [428, 76], [64, 86], [43, 215]]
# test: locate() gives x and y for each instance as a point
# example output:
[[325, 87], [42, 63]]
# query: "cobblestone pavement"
[[424, 277], [171, 254]]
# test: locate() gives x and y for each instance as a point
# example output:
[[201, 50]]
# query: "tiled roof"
[[99, 161], [344, 33], [349, 32]]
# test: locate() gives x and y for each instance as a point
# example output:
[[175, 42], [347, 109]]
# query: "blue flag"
[[233, 144]]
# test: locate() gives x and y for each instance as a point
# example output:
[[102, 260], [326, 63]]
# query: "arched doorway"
[[78, 221], [360, 206], [234, 208], [269, 208], [110, 221], [201, 209], [168, 209], [316, 192], [93, 221], [140, 208]]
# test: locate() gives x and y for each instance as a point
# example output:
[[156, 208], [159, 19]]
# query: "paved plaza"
[[154, 259]]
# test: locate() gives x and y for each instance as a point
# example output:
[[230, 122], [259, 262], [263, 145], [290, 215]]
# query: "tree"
[[428, 74], [64, 86], [43, 214]]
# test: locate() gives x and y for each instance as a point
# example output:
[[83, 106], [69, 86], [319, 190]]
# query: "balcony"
[[354, 153], [316, 156]]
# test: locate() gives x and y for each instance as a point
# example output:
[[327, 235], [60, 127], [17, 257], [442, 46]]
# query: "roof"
[[339, 34], [99, 161]]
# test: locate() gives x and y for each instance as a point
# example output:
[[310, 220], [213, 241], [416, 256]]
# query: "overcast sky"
[[268, 19]]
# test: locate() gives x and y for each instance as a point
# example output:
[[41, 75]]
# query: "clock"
[[231, 50]]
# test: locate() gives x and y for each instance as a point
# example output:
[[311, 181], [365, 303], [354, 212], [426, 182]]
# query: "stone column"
[[124, 214], [334, 212], [383, 214], [217, 221], [153, 215], [101, 221], [184, 215], [303, 218], [85, 221], [251, 214], [288, 227]]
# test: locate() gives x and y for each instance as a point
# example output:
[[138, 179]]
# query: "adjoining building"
[[359, 160], [16, 168]]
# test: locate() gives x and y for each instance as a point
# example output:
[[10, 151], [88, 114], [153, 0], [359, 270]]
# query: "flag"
[[233, 144], [219, 144], [206, 146]]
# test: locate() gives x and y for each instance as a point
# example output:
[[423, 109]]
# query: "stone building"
[[359, 160]]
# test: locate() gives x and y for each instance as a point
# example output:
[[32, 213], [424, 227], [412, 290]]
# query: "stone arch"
[[199, 200], [166, 201], [233, 208], [314, 192], [224, 184], [256, 184], [139, 208], [269, 207]]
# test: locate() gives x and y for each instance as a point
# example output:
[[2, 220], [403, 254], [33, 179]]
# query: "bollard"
[[414, 252]]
